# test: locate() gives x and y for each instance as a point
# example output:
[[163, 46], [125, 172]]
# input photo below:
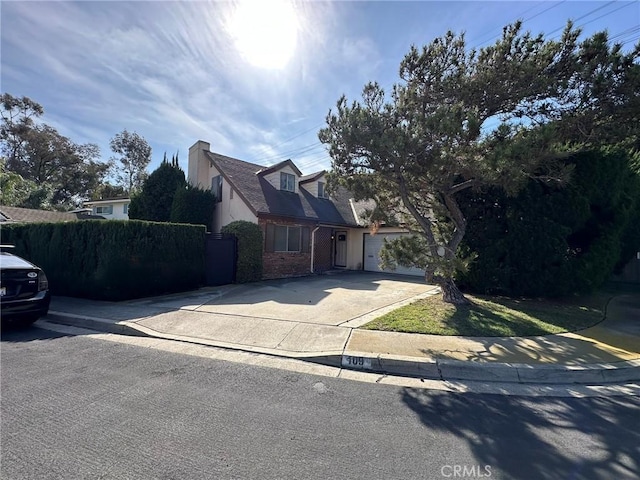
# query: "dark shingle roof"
[[312, 176], [29, 215], [263, 198]]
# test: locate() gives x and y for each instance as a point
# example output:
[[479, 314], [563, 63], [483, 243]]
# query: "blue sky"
[[255, 84]]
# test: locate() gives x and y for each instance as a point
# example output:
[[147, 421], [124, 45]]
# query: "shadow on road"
[[527, 437], [16, 333]]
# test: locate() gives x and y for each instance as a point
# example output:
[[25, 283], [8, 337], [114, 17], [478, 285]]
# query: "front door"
[[340, 246]]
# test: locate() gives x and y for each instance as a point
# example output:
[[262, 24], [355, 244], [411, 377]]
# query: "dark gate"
[[221, 256]]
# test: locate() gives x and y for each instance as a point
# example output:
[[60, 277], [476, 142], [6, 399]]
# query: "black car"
[[24, 290]]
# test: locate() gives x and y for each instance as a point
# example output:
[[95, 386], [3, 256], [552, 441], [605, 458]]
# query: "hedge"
[[193, 205], [549, 241], [112, 260], [249, 235]]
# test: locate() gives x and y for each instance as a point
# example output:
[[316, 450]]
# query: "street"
[[83, 407]]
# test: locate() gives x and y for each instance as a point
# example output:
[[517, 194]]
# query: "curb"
[[427, 368], [94, 323], [454, 370]]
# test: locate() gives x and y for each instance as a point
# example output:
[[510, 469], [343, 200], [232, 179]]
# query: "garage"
[[372, 246]]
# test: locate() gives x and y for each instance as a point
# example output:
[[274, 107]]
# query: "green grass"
[[493, 316]]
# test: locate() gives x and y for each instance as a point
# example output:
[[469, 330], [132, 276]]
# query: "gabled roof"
[[263, 198], [278, 166], [312, 177]]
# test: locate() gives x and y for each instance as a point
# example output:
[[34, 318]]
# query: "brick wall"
[[284, 264]]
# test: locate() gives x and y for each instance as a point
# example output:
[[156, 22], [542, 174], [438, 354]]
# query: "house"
[[111, 208], [30, 215], [305, 229]]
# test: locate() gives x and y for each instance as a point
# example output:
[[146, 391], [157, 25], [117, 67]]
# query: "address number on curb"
[[361, 363]]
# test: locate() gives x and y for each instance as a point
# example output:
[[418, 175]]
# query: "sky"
[[255, 79]]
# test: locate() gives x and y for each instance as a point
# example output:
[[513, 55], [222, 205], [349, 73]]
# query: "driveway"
[[344, 298]]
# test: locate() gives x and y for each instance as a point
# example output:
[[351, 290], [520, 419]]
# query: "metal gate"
[[221, 257]]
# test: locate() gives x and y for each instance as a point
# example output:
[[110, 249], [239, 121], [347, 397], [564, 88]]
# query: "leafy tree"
[[464, 119], [40, 154], [71, 169], [17, 120], [154, 200], [134, 154], [13, 188], [193, 205], [107, 190]]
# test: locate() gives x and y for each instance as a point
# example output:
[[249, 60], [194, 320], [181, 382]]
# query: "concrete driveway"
[[346, 298]]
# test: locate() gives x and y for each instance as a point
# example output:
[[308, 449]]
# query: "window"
[[287, 182], [216, 187], [104, 210], [322, 193], [283, 238], [125, 209]]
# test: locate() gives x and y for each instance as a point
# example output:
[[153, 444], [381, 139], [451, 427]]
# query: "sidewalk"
[[607, 352]]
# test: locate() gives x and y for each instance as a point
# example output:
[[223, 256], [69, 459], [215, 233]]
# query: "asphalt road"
[[79, 407]]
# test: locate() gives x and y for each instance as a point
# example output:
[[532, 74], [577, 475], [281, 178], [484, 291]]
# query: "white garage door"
[[372, 246]]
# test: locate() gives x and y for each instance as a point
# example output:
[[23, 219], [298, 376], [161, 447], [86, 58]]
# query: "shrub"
[[549, 241], [193, 205], [249, 268], [112, 260], [158, 190]]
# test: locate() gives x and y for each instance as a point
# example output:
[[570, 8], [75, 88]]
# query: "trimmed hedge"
[[193, 205], [112, 260], [553, 242], [249, 235]]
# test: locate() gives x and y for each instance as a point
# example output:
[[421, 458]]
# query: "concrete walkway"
[[271, 318]]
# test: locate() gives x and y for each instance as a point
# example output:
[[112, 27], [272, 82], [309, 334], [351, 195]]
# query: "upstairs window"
[[287, 182], [322, 193], [216, 187], [125, 209]]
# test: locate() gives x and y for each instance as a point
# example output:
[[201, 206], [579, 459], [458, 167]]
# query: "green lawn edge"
[[489, 316]]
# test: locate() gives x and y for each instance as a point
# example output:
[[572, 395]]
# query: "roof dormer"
[[315, 184], [283, 176]]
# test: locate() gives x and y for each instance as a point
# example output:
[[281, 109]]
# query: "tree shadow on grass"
[[515, 317], [537, 438]]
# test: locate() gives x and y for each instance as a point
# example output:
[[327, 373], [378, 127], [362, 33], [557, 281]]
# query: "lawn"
[[493, 316]]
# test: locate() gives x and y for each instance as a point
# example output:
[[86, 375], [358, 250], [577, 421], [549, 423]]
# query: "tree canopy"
[[154, 200], [133, 157], [462, 119], [59, 172]]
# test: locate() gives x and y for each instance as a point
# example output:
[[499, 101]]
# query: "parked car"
[[24, 290]]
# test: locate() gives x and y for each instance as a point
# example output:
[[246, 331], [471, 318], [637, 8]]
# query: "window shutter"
[[269, 238], [305, 240]]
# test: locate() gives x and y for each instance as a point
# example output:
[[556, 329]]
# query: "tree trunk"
[[451, 293]]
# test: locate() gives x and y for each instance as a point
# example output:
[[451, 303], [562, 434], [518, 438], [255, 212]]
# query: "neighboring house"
[[110, 208], [30, 215], [305, 230]]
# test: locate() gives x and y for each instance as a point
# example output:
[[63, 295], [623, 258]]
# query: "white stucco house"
[[305, 229], [110, 208]]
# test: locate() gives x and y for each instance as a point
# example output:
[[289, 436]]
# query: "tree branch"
[[462, 186], [424, 223], [459, 221]]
